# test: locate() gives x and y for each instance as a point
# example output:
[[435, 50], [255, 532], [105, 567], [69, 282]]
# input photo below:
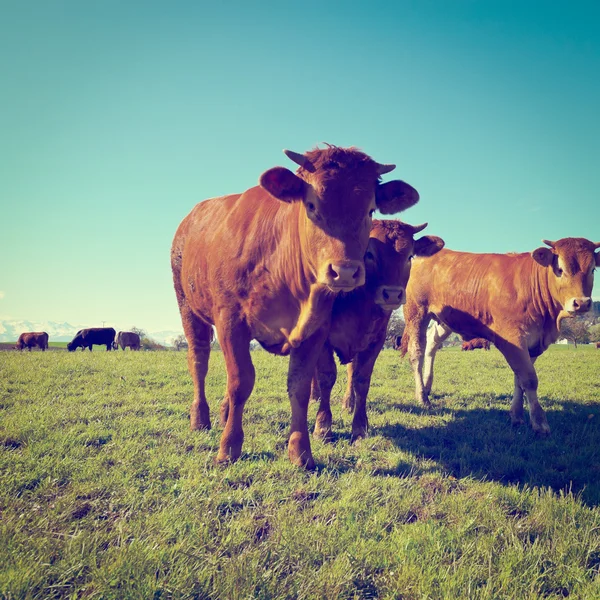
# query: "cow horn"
[[383, 169], [549, 243], [417, 228], [300, 159], [596, 244]]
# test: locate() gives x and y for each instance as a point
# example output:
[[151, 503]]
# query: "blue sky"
[[117, 117]]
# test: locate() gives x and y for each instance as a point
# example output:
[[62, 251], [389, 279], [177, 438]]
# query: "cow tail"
[[404, 343]]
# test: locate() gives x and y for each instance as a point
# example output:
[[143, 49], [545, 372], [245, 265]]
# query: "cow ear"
[[543, 256], [597, 255], [395, 196], [282, 184], [428, 245]]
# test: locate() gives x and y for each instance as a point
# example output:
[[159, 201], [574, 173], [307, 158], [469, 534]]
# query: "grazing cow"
[[267, 264], [360, 319], [598, 345], [516, 301], [86, 338], [127, 339], [476, 343], [397, 342], [30, 339]]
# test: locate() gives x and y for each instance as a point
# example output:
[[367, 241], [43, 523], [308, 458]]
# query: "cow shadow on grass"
[[481, 443]]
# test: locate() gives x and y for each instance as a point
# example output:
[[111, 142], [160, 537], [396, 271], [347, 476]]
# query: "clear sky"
[[117, 117]]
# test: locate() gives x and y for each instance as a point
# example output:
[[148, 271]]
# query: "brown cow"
[[127, 339], [268, 264], [33, 338], [598, 345], [476, 343], [360, 319], [515, 301]]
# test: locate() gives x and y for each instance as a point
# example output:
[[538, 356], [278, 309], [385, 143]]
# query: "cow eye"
[[310, 206], [559, 271]]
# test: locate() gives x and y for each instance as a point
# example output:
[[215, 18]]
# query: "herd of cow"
[[84, 338], [298, 264]]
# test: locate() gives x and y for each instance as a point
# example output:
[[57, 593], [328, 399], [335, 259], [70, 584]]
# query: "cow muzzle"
[[577, 306], [344, 276], [390, 297]]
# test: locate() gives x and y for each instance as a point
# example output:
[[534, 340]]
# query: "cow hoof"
[[541, 429], [299, 451], [200, 426], [225, 458], [323, 434], [358, 437], [516, 420]]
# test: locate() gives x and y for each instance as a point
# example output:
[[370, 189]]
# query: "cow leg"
[[522, 366], [417, 342], [327, 373], [198, 335], [516, 408], [303, 361], [436, 335], [235, 343], [361, 382], [349, 400], [224, 411], [315, 390]]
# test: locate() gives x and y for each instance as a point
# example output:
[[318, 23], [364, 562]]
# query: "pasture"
[[107, 494]]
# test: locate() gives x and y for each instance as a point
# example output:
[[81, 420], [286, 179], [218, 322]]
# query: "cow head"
[[337, 190], [388, 259], [571, 263]]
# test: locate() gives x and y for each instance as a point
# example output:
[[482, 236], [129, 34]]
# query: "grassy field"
[[107, 494]]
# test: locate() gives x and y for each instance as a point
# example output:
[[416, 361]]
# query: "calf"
[[33, 338], [516, 301], [360, 319]]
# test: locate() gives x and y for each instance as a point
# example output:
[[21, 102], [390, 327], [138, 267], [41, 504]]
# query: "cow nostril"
[[332, 272], [356, 273], [575, 304], [386, 295]]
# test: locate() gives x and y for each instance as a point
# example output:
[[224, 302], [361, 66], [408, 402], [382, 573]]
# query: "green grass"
[[107, 494]]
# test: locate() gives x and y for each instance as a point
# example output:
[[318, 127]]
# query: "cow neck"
[[304, 251], [543, 301]]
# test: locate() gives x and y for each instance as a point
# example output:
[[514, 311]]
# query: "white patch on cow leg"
[[416, 349], [517, 415], [522, 365], [436, 335]]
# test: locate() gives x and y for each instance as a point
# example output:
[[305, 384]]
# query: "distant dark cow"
[[397, 342], [476, 343], [598, 345], [86, 338], [516, 301], [31, 339], [360, 319], [267, 264], [127, 339]]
